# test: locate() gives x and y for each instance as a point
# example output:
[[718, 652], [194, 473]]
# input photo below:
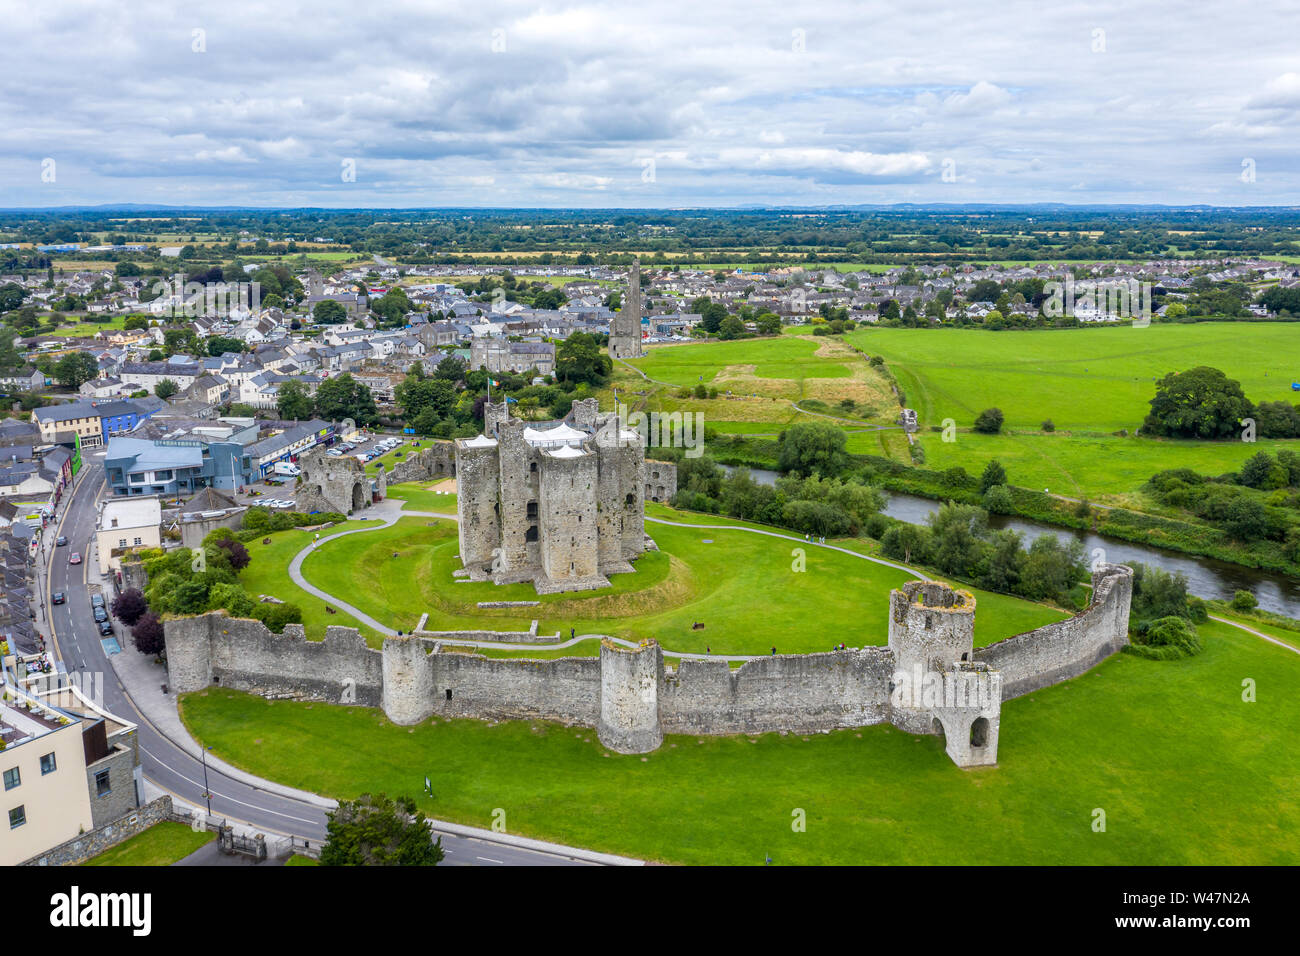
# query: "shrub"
[[1244, 601], [1049, 425], [1166, 638], [997, 500], [989, 421]]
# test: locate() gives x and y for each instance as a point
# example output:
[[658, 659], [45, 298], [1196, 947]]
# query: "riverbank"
[[1155, 531]]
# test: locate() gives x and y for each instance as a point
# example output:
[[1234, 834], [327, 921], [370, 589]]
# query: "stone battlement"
[[929, 679]]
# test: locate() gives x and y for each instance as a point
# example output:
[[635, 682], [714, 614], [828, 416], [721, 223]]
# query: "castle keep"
[[559, 504], [929, 679]]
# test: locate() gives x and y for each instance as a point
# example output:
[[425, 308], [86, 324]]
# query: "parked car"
[[335, 453], [75, 558], [61, 540], [105, 628], [58, 597], [100, 614], [97, 600]]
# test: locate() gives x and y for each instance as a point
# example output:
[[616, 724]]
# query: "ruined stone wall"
[[566, 689], [331, 484], [632, 699], [1066, 649], [630, 681], [660, 480], [244, 654], [427, 464], [796, 692]]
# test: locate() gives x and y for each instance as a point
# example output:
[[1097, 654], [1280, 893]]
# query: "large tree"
[[329, 312], [75, 369], [345, 397], [812, 447], [292, 401], [578, 359], [376, 830], [1199, 403]]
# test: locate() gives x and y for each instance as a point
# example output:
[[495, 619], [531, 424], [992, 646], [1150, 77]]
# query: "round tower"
[[408, 680], [931, 628], [629, 697]]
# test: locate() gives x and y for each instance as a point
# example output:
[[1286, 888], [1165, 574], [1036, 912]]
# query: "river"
[[1206, 577]]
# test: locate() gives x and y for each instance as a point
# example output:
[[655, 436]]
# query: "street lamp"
[[206, 792]]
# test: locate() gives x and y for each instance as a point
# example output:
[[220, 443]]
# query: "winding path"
[[392, 516]]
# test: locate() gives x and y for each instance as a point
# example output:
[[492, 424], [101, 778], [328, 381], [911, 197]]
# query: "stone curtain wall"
[[627, 694], [243, 654], [799, 692], [1065, 649], [83, 847]]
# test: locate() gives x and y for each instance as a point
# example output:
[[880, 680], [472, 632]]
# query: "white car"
[[335, 453]]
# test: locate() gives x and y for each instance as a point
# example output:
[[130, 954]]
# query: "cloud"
[[511, 102]]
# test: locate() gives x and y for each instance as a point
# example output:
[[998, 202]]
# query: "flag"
[[495, 382]]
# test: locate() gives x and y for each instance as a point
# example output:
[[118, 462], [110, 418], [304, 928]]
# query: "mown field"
[[1185, 771]]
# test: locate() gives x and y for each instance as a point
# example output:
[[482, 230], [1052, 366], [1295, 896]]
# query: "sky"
[[656, 105]]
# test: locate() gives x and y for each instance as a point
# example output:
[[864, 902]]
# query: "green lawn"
[[424, 496], [161, 845], [268, 573], [85, 329], [742, 586], [1185, 771]]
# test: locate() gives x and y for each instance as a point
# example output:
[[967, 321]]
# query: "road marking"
[[486, 859], [227, 796]]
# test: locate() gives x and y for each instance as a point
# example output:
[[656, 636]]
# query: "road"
[[77, 643]]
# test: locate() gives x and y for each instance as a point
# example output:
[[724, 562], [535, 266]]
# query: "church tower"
[[625, 326]]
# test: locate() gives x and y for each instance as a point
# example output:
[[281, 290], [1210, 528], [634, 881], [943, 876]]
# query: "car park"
[[74, 558], [58, 597]]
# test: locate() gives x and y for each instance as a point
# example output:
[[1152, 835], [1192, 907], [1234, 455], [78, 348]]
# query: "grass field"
[[1093, 466], [1091, 383], [763, 375], [426, 496], [1186, 772], [161, 845], [742, 586], [1089, 379], [86, 329]]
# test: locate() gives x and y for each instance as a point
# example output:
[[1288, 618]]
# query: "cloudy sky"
[[664, 103]]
